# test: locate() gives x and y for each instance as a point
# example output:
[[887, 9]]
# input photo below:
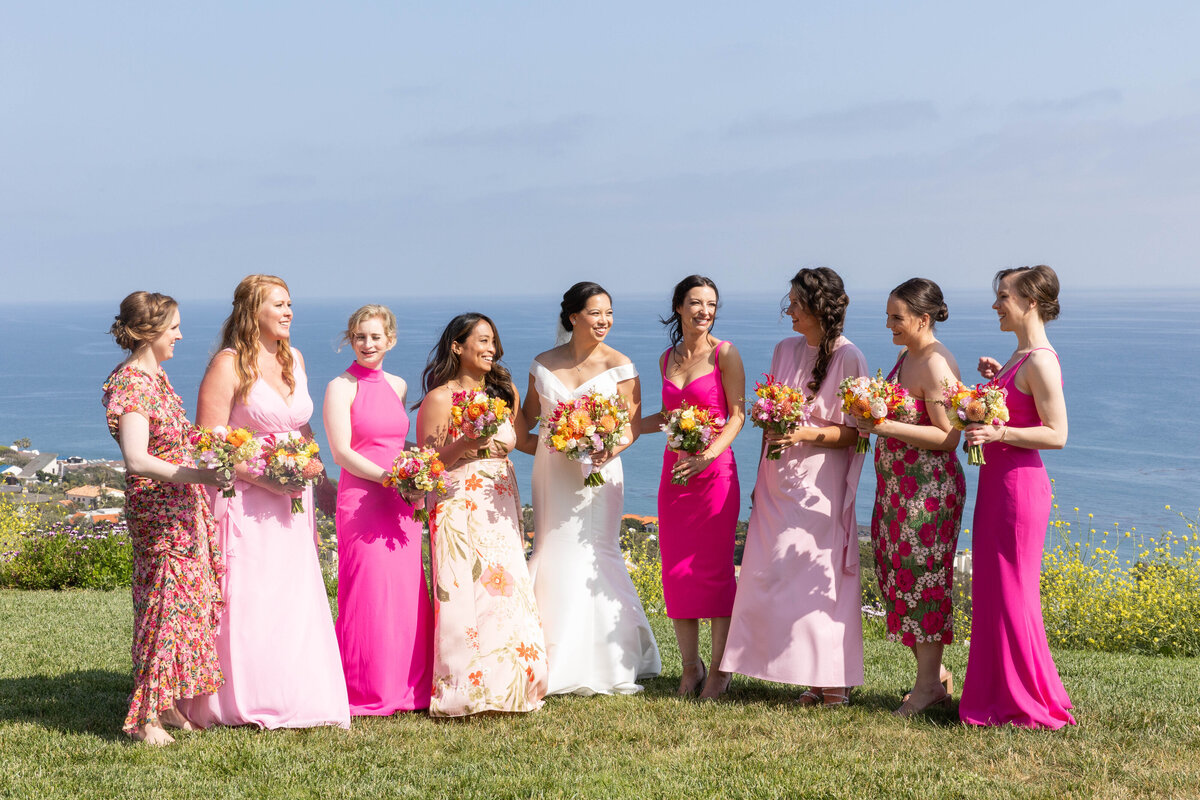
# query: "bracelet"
[[1003, 432]]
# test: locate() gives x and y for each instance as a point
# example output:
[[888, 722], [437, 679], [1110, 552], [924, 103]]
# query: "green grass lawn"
[[64, 676]]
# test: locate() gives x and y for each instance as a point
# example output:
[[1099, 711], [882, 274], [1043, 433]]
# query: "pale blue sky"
[[417, 148]]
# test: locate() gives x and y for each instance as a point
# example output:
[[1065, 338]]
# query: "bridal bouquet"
[[588, 425], [477, 415], [875, 399], [778, 409], [223, 448], [417, 470], [984, 403], [291, 461], [691, 430]]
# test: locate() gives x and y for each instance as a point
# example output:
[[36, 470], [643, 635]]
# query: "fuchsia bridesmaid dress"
[[697, 521], [385, 619], [1011, 677]]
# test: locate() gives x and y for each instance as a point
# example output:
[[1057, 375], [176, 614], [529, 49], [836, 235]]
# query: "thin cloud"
[[552, 136], [865, 119], [1069, 105]]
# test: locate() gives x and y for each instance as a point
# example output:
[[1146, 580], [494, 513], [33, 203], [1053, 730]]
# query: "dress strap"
[[1015, 367], [896, 368], [662, 361]]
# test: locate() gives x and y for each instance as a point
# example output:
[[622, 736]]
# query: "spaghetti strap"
[[1013, 369], [896, 368]]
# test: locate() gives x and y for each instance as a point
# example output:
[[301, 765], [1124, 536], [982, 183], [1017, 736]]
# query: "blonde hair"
[[143, 316], [240, 332], [371, 311]]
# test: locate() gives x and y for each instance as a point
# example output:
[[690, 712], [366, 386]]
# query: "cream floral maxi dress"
[[489, 653]]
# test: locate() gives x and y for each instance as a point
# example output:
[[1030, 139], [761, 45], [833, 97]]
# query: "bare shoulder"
[[398, 384], [438, 397], [613, 357], [1045, 362], [298, 356], [553, 358]]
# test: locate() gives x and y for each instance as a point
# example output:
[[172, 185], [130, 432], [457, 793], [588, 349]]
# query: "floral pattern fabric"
[[914, 527], [489, 650], [176, 559]]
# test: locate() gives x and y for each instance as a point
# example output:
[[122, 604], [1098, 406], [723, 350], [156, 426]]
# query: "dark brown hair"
[[923, 296], [575, 300], [442, 364], [1039, 284], [821, 291], [143, 316], [674, 323]]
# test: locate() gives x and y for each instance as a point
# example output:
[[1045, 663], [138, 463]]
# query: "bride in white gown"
[[598, 640]]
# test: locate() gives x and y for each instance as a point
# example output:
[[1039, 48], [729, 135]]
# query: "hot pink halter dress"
[[697, 521], [385, 619], [1011, 677], [276, 641]]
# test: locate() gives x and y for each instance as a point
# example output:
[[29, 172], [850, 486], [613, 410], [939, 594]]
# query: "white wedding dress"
[[598, 640]]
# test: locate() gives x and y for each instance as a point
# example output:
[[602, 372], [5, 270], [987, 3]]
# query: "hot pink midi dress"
[[276, 641], [385, 618], [1011, 677], [797, 616], [697, 522]]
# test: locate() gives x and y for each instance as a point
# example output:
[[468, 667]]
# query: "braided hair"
[[821, 291]]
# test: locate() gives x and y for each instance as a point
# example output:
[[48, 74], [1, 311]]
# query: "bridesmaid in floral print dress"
[[489, 653], [918, 496], [176, 562]]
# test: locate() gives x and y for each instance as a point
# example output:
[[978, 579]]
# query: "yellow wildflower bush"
[[1143, 597], [16, 522], [644, 563]]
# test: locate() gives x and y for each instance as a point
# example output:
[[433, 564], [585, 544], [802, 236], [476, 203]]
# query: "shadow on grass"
[[91, 702]]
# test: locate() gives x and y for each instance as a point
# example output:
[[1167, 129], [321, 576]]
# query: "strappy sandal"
[[810, 698], [838, 699], [698, 685]]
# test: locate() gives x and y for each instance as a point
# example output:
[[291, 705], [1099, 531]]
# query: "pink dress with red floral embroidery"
[[176, 560], [914, 527], [489, 653]]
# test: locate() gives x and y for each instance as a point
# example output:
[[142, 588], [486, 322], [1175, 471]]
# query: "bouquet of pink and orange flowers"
[[223, 449], [778, 409], [984, 403], [477, 415], [691, 430], [588, 425], [291, 461], [417, 470], [873, 399]]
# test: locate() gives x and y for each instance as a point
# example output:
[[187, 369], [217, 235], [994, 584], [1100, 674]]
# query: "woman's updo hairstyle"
[[821, 291], [371, 311], [575, 300], [1039, 284], [923, 296], [144, 315], [674, 323]]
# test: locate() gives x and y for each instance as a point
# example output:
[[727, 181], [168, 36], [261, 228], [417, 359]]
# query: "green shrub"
[[70, 556]]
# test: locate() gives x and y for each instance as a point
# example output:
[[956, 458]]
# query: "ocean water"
[[1129, 361]]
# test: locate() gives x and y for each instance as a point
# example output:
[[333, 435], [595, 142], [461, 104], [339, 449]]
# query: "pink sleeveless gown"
[[697, 521], [1011, 677], [385, 619], [276, 641]]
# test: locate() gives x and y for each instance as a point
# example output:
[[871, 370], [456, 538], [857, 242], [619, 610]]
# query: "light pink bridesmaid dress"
[[276, 641], [797, 615]]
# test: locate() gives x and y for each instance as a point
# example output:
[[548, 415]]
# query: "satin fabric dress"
[[797, 616], [598, 639], [1011, 677], [489, 651], [385, 618], [697, 522], [276, 640]]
